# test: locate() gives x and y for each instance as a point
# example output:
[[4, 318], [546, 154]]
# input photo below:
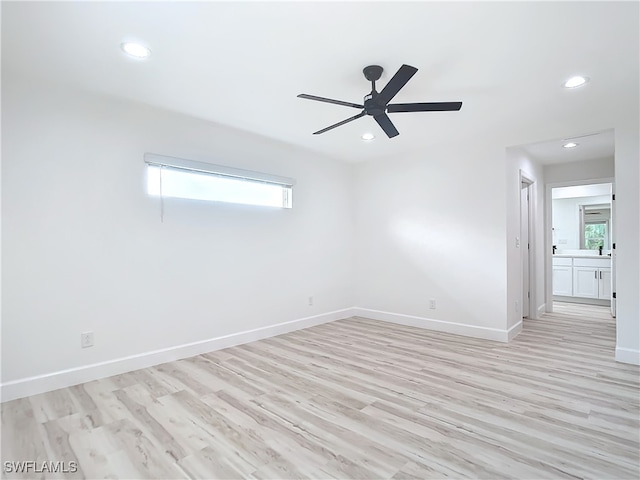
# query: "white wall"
[[519, 164], [84, 248], [427, 228], [627, 234], [578, 171], [566, 219]]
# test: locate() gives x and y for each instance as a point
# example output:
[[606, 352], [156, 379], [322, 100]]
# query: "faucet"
[[554, 249], [600, 250]]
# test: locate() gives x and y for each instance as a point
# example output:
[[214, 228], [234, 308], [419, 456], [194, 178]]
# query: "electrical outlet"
[[86, 339], [311, 301], [432, 304]]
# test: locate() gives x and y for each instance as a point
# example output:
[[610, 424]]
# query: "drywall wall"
[[566, 219], [427, 229], [84, 248], [579, 171], [627, 235], [518, 166]]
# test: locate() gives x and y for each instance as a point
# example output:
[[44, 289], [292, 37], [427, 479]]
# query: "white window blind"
[[182, 178]]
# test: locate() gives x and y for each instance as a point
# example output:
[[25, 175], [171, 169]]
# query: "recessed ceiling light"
[[135, 50], [368, 136], [576, 81], [570, 145]]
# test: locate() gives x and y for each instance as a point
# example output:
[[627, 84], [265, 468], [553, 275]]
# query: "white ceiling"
[[590, 146], [242, 64]]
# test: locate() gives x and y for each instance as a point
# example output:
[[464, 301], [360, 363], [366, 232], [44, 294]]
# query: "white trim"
[[542, 309], [184, 164], [438, 325], [583, 300], [532, 252], [627, 355], [514, 331], [74, 376]]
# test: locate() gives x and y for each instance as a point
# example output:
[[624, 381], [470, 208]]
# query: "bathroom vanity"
[[582, 278]]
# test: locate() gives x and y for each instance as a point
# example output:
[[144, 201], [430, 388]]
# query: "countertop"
[[568, 255]]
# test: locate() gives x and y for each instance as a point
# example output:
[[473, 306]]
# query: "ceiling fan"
[[377, 104]]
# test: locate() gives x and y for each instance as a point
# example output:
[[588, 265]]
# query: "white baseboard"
[[583, 300], [514, 331], [438, 325], [74, 376], [627, 355]]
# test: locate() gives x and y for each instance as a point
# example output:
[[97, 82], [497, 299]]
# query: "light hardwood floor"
[[355, 399]]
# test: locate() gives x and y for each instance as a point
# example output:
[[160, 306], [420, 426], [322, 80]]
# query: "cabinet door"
[[562, 281], [604, 283], [585, 282]]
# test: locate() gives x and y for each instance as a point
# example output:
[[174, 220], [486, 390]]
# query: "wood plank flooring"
[[355, 398]]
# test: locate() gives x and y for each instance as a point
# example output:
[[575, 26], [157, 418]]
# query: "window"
[[594, 226], [179, 178], [595, 235]]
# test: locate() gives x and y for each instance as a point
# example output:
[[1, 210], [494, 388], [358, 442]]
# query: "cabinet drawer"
[[592, 262], [561, 261]]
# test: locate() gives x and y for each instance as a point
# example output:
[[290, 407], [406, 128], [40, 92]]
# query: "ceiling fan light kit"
[[376, 104]]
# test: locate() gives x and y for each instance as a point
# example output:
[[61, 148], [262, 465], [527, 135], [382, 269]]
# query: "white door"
[[604, 283], [563, 280], [524, 246], [585, 282]]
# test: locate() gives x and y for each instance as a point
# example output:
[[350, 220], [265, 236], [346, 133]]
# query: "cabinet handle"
[[600, 274], [596, 274]]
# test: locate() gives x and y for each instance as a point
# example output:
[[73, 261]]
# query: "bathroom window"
[[594, 226], [595, 236]]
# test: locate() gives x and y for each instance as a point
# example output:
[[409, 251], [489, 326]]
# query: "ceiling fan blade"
[[351, 119], [399, 80], [385, 122], [424, 107], [329, 100]]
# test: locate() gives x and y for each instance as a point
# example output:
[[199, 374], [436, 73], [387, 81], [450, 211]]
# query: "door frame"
[[548, 227], [527, 252]]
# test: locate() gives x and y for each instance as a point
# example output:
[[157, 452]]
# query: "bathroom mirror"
[[581, 217]]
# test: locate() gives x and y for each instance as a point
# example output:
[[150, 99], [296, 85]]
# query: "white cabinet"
[[604, 283], [582, 277], [562, 280], [592, 278], [563, 276], [585, 282]]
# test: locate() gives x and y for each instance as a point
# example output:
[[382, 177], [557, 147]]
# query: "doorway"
[[525, 234], [583, 244]]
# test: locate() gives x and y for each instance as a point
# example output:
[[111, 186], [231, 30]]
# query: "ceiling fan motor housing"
[[371, 107]]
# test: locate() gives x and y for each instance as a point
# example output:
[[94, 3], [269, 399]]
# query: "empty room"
[[286, 240]]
